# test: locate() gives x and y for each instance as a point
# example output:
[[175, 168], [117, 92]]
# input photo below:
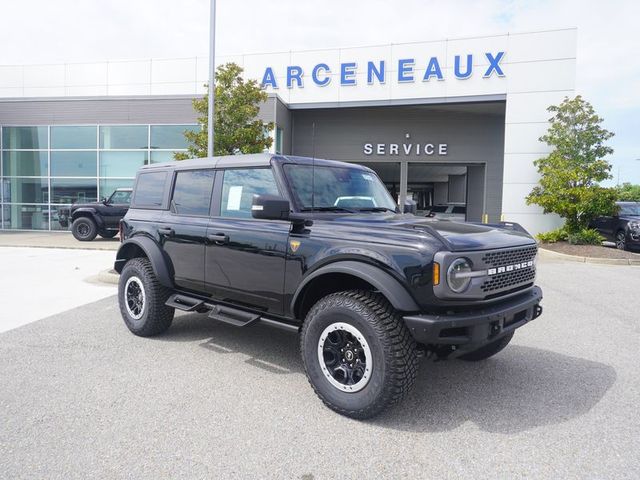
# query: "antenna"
[[313, 165]]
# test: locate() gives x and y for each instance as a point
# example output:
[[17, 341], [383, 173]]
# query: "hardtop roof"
[[246, 160]]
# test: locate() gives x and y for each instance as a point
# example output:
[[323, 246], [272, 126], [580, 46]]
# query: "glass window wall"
[[45, 169], [74, 164], [25, 164], [68, 138]]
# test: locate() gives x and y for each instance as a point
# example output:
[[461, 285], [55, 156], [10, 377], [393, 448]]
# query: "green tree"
[[237, 128], [628, 192], [569, 175]]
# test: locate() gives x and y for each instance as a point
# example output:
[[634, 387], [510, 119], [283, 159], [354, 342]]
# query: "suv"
[[96, 218], [622, 228], [289, 242]]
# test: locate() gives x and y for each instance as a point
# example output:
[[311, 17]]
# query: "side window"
[[120, 197], [192, 192], [240, 185], [149, 191]]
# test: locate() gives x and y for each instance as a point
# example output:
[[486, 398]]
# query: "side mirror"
[[103, 200], [270, 207], [410, 206]]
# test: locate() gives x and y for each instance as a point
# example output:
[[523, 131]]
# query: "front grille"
[[510, 257], [508, 279]]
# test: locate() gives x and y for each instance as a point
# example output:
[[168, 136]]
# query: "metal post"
[[212, 74]]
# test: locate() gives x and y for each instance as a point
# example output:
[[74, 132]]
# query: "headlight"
[[634, 225], [458, 276]]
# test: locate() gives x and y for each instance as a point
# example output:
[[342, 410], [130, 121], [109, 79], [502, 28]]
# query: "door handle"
[[169, 232], [218, 237]]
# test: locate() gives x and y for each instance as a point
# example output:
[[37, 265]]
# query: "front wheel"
[[488, 350], [84, 229], [358, 355], [621, 240], [142, 299]]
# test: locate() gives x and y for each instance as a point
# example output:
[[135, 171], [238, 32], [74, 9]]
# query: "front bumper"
[[468, 331]]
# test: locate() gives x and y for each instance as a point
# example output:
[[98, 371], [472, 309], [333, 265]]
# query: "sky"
[[608, 60]]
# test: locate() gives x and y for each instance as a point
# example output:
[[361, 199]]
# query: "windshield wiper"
[[327, 209], [377, 209]]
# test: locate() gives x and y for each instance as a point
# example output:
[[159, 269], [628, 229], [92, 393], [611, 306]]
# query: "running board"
[[228, 315], [233, 316], [184, 303]]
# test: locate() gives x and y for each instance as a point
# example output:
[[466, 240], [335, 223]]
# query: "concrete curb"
[[109, 276], [573, 258]]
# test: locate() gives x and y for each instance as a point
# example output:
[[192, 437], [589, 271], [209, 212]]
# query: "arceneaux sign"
[[379, 71]]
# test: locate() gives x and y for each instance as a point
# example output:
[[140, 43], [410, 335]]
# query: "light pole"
[[212, 76]]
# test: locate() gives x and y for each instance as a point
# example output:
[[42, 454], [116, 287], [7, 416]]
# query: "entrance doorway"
[[454, 191]]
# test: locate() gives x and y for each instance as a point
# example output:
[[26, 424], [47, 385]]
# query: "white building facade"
[[455, 121]]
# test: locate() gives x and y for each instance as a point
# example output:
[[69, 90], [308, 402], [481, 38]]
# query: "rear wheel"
[[84, 229], [621, 240], [142, 299], [108, 234], [488, 350], [358, 355]]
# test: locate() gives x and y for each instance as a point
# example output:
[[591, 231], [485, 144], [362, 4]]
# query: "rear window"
[[149, 191]]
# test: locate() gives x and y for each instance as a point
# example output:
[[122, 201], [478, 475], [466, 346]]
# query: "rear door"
[[184, 227], [245, 257]]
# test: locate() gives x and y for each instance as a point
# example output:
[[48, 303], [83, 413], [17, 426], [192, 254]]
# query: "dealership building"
[[453, 122]]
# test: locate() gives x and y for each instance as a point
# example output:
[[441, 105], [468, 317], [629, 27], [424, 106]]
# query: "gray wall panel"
[[104, 110], [472, 137]]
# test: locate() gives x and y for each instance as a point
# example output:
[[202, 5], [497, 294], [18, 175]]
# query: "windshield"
[[338, 188], [120, 196], [630, 209]]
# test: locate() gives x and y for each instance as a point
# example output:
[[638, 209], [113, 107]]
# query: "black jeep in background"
[[96, 218], [623, 228], [319, 248]]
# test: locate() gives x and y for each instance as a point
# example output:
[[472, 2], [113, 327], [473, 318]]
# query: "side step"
[[184, 303], [228, 315], [233, 316]]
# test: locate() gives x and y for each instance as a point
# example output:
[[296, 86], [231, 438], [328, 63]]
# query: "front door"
[[245, 257], [185, 225], [116, 208]]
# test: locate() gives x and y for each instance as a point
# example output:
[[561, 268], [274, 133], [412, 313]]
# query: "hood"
[[456, 236], [634, 218]]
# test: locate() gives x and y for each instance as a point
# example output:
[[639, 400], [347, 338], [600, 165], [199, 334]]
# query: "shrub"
[[585, 236], [557, 235]]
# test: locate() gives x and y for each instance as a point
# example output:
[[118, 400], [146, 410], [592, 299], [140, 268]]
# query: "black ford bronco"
[[319, 248], [96, 218]]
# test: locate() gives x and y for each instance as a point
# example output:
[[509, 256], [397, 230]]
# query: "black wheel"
[[108, 234], [358, 355], [84, 229], [488, 350], [142, 299], [621, 240]]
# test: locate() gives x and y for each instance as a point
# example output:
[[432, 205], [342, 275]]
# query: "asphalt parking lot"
[[83, 398]]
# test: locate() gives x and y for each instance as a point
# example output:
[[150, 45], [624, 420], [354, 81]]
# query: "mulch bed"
[[593, 251]]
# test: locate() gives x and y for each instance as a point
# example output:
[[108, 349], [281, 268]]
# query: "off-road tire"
[[84, 229], [393, 352], [155, 317], [488, 350], [108, 234]]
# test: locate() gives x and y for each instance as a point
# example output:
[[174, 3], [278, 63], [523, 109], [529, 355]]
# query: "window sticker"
[[235, 196]]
